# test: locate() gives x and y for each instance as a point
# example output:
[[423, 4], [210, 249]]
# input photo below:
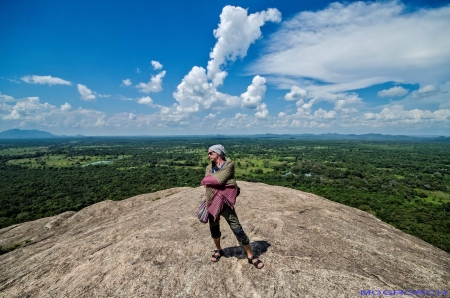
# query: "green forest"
[[405, 183]]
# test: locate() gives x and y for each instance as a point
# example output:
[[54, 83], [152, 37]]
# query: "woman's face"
[[213, 156]]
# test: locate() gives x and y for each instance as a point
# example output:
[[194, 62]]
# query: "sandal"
[[258, 261], [217, 257]]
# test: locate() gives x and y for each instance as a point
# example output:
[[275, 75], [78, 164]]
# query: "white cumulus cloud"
[[396, 115], [210, 116], [255, 93], [394, 91], [126, 82], [154, 85], [66, 107], [262, 111], [5, 98], [49, 80], [85, 92], [146, 101], [156, 65], [322, 114], [348, 102], [196, 89], [236, 32], [426, 90], [296, 93], [29, 109]]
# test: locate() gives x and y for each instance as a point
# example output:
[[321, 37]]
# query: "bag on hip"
[[202, 213]]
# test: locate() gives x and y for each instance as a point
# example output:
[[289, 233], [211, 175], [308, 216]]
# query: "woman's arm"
[[220, 177]]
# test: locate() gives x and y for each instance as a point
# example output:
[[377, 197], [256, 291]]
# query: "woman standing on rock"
[[221, 193]]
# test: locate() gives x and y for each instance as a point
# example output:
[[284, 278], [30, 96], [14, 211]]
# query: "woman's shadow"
[[258, 248]]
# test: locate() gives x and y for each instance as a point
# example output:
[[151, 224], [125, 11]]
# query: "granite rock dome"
[[152, 245]]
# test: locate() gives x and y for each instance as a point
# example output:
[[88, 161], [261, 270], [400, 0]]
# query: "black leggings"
[[232, 220]]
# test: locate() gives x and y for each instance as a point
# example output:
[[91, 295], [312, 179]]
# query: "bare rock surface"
[[153, 245]]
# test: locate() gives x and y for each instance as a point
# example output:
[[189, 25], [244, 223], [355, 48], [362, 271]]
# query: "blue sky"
[[239, 67]]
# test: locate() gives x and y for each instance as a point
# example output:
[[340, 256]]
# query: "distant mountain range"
[[26, 134], [369, 136], [39, 134]]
